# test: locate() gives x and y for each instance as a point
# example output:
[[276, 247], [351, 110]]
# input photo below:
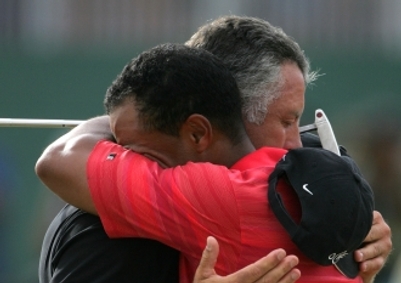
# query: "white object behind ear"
[[324, 130]]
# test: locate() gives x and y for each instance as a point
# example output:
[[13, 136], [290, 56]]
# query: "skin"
[[373, 256], [157, 146], [170, 151], [281, 129], [275, 267], [281, 125], [197, 142], [62, 166], [196, 135]]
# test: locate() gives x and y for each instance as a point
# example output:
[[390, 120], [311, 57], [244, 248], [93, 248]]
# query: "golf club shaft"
[[38, 123], [60, 123]]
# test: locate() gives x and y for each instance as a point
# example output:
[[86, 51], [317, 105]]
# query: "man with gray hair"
[[272, 73]]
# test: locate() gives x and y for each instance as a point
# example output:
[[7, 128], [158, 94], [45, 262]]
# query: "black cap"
[[336, 201]]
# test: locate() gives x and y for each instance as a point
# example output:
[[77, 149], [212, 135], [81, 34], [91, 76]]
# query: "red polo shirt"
[[183, 205]]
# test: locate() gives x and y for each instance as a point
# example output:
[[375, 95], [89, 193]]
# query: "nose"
[[293, 139]]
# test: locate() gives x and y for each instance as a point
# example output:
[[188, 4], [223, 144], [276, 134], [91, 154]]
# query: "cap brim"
[[348, 266]]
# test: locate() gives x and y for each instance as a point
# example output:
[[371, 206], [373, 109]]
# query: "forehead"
[[124, 120], [292, 97], [128, 131]]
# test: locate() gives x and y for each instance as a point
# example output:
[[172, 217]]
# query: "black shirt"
[[77, 249]]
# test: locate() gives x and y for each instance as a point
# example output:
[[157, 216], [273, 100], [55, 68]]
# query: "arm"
[[378, 246], [62, 166], [69, 168], [275, 267]]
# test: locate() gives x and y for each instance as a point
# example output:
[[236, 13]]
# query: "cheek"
[[175, 153], [275, 137], [268, 134]]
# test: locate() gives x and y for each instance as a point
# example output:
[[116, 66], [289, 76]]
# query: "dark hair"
[[170, 82], [254, 51]]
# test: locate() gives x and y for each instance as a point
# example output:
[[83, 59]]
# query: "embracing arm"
[[378, 246], [62, 165]]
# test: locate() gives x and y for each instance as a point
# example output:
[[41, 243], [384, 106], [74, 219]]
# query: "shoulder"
[[76, 244], [61, 237], [68, 223]]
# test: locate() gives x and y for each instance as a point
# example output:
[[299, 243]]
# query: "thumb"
[[209, 257]]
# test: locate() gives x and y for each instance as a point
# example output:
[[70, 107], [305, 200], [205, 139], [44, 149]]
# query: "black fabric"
[[337, 206], [77, 249]]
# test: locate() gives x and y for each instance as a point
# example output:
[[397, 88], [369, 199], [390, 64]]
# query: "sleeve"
[[178, 206]]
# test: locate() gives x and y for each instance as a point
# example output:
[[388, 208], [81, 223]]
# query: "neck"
[[225, 153], [240, 150]]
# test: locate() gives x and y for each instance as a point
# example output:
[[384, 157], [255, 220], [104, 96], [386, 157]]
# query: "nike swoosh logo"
[[305, 188]]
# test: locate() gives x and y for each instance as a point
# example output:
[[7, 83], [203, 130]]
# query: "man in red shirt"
[[170, 107]]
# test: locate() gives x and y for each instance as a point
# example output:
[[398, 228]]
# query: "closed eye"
[[287, 123], [290, 122]]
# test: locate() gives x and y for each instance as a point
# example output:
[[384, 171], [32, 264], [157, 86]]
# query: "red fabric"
[[183, 205]]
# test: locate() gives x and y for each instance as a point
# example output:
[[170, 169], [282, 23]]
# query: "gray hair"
[[254, 51]]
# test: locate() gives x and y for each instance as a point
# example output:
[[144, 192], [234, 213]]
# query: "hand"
[[276, 267], [378, 246]]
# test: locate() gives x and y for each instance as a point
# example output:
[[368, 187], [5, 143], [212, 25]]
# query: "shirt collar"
[[262, 157]]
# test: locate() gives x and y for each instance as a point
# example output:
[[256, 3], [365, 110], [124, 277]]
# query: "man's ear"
[[197, 129]]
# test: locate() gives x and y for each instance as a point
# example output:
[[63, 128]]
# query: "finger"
[[370, 251], [379, 250], [270, 268], [372, 266], [283, 273], [379, 228], [369, 268], [378, 242], [375, 229], [208, 260], [290, 277]]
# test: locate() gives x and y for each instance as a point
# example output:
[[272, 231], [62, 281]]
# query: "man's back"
[[183, 205], [77, 249]]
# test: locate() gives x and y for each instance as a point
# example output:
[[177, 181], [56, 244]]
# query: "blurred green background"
[[58, 58]]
